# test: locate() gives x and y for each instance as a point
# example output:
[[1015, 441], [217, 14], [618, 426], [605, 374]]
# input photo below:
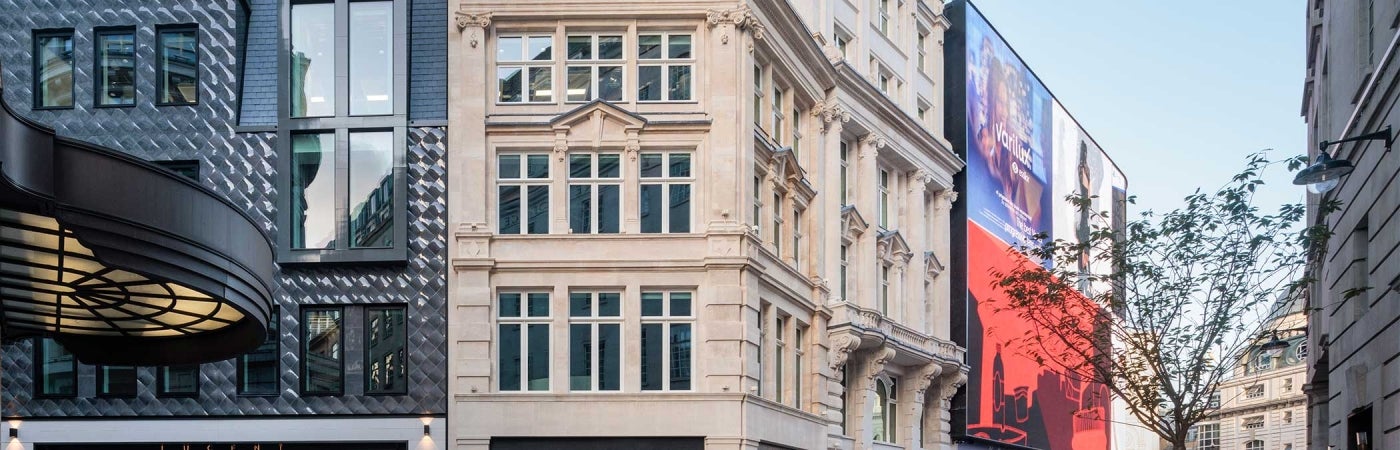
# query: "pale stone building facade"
[[1263, 406], [699, 224]]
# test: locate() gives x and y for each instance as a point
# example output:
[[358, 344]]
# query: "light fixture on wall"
[[427, 429], [1275, 347], [14, 432], [1326, 172]]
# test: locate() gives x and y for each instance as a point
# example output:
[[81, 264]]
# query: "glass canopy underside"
[[51, 283]]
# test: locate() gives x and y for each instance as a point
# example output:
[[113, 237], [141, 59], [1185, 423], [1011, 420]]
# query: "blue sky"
[[1176, 92]]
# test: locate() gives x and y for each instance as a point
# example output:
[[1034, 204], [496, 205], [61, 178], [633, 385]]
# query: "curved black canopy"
[[120, 260]]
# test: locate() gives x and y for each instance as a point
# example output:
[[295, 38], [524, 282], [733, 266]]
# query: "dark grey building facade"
[[346, 177]]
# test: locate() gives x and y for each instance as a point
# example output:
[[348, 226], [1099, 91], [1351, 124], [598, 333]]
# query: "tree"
[[1157, 310]]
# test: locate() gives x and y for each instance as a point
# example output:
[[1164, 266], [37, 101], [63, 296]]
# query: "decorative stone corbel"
[[634, 145], [841, 348], [561, 144], [876, 365], [479, 21], [948, 387], [925, 378]]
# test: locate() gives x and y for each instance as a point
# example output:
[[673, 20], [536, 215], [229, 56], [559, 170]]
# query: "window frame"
[[403, 356], [302, 374], [97, 67], [36, 65], [274, 333], [665, 63], [1253, 392], [667, 319], [160, 32], [524, 320], [525, 65], [594, 180], [342, 124], [594, 63], [1208, 436], [163, 382], [39, 357], [666, 181], [102, 376], [524, 182], [594, 321]]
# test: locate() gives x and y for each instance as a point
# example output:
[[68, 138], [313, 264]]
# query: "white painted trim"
[[292, 429]]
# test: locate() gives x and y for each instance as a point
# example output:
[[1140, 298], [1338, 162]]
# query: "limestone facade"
[[697, 224]]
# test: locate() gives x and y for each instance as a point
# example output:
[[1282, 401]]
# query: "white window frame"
[[797, 236], [759, 92], [525, 320], [1252, 423], [884, 193], [758, 206], [799, 343], [525, 65], [796, 130], [1254, 392], [594, 180], [525, 182], [885, 289], [666, 181], [882, 17], [667, 319], [777, 216], [891, 408], [1209, 436], [594, 63], [780, 356], [665, 63], [594, 321], [776, 111], [921, 44], [845, 270], [845, 173]]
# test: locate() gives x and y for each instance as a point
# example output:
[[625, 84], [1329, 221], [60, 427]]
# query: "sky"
[[1177, 93]]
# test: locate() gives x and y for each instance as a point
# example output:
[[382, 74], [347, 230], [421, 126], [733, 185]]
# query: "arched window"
[[1301, 351], [1254, 445], [882, 414]]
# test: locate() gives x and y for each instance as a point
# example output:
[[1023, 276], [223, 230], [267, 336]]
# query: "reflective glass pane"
[[541, 48], [680, 208], [508, 209], [650, 208], [580, 47], [609, 47], [680, 165], [580, 84], [313, 190], [372, 189], [541, 84], [259, 371], [609, 304], [680, 82], [57, 369], [509, 48], [679, 47], [581, 357], [321, 348], [116, 59], [651, 164], [371, 58], [609, 357], [581, 304], [609, 166], [313, 60], [538, 213], [116, 381], [538, 304], [651, 365], [649, 83], [538, 372], [181, 380], [680, 356], [178, 67], [538, 166], [386, 351], [680, 304], [653, 304], [581, 166], [649, 47], [581, 208], [609, 208], [509, 305], [55, 66], [508, 357], [610, 83], [508, 84], [508, 166]]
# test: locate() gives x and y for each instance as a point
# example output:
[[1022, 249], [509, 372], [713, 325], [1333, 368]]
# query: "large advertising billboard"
[[1025, 154]]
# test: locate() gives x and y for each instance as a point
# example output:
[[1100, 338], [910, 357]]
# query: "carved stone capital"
[[741, 18], [561, 144], [944, 200], [841, 347], [876, 365], [478, 20], [830, 114], [871, 145]]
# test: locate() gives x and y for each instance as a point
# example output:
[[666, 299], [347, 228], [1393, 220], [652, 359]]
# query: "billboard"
[[1024, 155]]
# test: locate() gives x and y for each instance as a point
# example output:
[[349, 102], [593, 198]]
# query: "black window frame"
[[38, 343], [342, 124], [403, 331], [97, 34], [188, 168], [102, 376], [159, 53], [37, 102], [273, 336], [302, 375], [163, 386]]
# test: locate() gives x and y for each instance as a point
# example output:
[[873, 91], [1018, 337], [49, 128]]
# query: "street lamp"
[[1326, 172], [1275, 347]]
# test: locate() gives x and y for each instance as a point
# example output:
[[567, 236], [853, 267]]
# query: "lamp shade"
[[1274, 347], [1324, 173]]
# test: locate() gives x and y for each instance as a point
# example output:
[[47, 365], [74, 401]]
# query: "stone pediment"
[[891, 245], [933, 265], [597, 124], [852, 224]]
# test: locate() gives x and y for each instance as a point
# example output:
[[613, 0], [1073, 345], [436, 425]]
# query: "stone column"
[[913, 433], [953, 378], [867, 185], [874, 365], [826, 208], [728, 164], [913, 228], [940, 243]]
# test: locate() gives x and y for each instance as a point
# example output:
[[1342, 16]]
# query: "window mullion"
[[342, 62], [342, 188]]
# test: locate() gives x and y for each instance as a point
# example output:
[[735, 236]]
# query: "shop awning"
[[120, 260]]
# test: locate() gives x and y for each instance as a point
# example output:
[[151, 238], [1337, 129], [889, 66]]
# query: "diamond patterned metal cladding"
[[241, 167]]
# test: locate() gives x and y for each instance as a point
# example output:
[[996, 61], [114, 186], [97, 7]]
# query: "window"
[[371, 58], [799, 343], [313, 60], [522, 194], [845, 270], [594, 68], [797, 238], [885, 289], [882, 16], [845, 172], [666, 335], [1288, 417], [885, 410], [595, 192], [259, 370], [315, 198], [1263, 361], [758, 206], [322, 342], [116, 381], [57, 369], [758, 95], [595, 341], [779, 357], [523, 341], [1287, 385], [922, 44], [115, 77], [843, 41], [777, 210], [1192, 434], [1255, 391], [884, 199], [177, 65], [1254, 423], [524, 69], [384, 353], [796, 130], [1301, 351], [763, 335], [1209, 434], [178, 381], [777, 110], [1214, 401], [665, 70], [665, 192], [1254, 445], [53, 69], [883, 81]]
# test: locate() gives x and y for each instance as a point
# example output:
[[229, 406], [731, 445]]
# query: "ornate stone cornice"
[[924, 379], [740, 18], [841, 348], [878, 359]]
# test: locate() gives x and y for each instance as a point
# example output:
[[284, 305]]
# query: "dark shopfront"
[[231, 446]]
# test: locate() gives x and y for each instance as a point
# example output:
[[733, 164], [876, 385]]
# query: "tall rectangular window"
[[595, 341], [313, 191], [371, 189], [53, 69], [178, 381], [777, 111], [313, 60], [522, 341], [260, 369], [797, 238], [762, 346], [882, 16], [780, 357], [799, 346], [845, 172], [885, 289], [796, 130], [758, 96], [667, 319], [522, 193], [758, 206], [595, 192], [524, 69], [884, 199], [922, 47], [115, 52], [666, 66], [57, 369], [845, 269], [371, 58], [322, 344], [777, 210], [1209, 434], [385, 361], [177, 65], [116, 381], [665, 192], [595, 68]]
